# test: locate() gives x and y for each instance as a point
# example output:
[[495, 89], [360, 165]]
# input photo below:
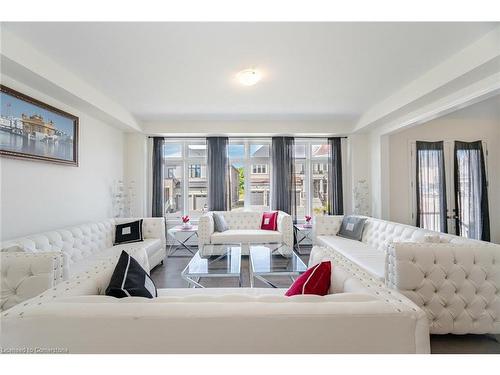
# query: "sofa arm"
[[205, 229], [25, 275], [456, 285], [154, 227], [327, 225], [285, 227]]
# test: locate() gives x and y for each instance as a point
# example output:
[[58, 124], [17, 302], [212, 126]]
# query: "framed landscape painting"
[[30, 129]]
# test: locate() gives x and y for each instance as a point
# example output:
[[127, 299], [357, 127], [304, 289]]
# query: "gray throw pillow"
[[352, 227], [220, 224]]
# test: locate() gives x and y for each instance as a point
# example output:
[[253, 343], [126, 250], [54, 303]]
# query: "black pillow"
[[352, 227], [130, 280], [128, 232]]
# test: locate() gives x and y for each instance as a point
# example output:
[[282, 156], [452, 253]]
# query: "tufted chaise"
[[455, 280], [83, 245], [244, 227], [359, 316]]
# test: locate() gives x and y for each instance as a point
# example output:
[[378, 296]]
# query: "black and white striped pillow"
[[130, 280]]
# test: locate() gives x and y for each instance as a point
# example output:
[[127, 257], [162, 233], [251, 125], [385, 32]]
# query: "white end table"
[[302, 232], [181, 243]]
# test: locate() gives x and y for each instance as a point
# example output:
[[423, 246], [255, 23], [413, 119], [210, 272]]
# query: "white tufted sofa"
[[456, 281], [244, 227], [85, 244], [360, 316]]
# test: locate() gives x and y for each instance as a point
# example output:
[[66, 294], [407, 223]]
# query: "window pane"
[[300, 151], [173, 190], [320, 151], [259, 151], [301, 189], [259, 187], [197, 198], [197, 151], [236, 151], [237, 182], [173, 150], [320, 188]]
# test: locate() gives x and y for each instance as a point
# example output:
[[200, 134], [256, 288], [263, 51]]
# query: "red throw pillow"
[[269, 221], [316, 280]]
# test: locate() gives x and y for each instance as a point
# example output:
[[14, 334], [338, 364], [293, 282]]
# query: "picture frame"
[[33, 130]]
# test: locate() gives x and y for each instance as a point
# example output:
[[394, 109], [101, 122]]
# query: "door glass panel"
[[173, 190], [197, 197], [259, 187], [301, 190], [320, 188], [237, 185]]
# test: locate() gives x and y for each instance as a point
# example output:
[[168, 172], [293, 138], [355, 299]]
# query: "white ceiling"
[[165, 71]]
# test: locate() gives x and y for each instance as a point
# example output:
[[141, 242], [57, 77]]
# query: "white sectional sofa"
[[360, 316], [456, 281], [244, 227], [84, 245]]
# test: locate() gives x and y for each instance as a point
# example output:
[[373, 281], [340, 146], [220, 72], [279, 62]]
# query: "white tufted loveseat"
[[83, 245], [456, 281], [359, 316], [244, 227]]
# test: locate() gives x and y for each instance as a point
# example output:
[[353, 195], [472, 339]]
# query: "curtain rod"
[[254, 137]]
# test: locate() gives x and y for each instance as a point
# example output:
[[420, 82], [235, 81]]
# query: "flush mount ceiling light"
[[249, 77]]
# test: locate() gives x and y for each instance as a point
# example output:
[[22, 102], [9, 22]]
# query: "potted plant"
[[185, 222], [308, 221]]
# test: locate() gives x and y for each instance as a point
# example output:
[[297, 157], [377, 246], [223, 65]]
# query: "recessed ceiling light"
[[249, 77]]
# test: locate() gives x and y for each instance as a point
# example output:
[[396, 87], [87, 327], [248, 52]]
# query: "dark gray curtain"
[[283, 192], [471, 191], [431, 187], [335, 193], [157, 208], [217, 173]]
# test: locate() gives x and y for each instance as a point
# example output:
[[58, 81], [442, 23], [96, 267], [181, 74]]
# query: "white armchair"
[[26, 275]]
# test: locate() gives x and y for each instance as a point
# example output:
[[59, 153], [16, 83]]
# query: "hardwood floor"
[[168, 276]]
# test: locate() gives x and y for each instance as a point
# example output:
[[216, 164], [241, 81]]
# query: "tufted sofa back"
[[77, 242], [242, 219], [82, 241], [379, 234]]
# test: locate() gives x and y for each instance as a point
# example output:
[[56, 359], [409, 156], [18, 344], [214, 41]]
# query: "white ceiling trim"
[[18, 55], [469, 95], [470, 58]]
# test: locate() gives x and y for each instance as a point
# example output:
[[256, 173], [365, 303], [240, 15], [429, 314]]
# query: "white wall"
[[136, 170], [479, 121], [38, 196]]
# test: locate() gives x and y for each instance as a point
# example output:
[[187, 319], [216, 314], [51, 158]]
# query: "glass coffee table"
[[214, 261], [274, 259]]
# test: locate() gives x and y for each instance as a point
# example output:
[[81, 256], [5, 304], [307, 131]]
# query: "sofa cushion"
[[129, 279], [316, 280], [220, 224], [151, 245], [246, 236], [367, 257], [352, 227], [128, 232], [269, 221]]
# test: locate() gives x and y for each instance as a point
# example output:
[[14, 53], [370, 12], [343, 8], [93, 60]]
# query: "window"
[[186, 187], [173, 191], [250, 174], [185, 181], [311, 177], [259, 169]]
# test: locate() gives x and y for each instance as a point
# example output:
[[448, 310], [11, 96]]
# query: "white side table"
[[181, 243], [302, 232]]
